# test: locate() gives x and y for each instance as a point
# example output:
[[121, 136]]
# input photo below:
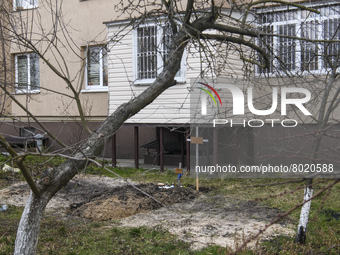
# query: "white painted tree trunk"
[[301, 232], [29, 226]]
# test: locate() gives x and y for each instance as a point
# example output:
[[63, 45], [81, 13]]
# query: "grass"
[[77, 236]]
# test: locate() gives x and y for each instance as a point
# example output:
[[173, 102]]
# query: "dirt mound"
[[213, 220], [125, 201], [80, 189]]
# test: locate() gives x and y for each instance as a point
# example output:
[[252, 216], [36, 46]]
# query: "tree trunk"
[[29, 226], [56, 178], [302, 228]]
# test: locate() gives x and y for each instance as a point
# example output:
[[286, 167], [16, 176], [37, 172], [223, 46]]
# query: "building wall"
[[70, 133], [173, 105], [83, 25], [166, 108], [287, 146], [5, 59]]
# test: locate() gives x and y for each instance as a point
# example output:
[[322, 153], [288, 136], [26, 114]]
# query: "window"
[[24, 4], [147, 52], [27, 76], [151, 45], [286, 46], [289, 54], [96, 68], [331, 31]]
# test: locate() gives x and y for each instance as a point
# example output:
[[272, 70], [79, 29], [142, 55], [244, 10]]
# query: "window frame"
[[97, 87], [181, 78], [24, 4], [29, 86], [300, 22]]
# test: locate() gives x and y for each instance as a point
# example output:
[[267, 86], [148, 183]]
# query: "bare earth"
[[197, 218]]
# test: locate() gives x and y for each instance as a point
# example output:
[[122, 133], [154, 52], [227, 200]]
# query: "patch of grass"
[[76, 236], [38, 165], [323, 232], [7, 178], [116, 231], [135, 232], [285, 245], [3, 158], [123, 172], [140, 175], [35, 164], [62, 231], [96, 224], [9, 223]]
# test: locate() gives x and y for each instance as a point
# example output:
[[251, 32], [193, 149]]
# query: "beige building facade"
[[85, 60], [67, 78]]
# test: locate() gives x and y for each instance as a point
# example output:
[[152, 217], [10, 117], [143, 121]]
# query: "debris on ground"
[[7, 168], [3, 208]]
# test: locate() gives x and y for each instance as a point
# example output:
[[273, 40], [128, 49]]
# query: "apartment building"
[[309, 61], [71, 70], [99, 71]]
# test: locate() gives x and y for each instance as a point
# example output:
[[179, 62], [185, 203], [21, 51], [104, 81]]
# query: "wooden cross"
[[197, 140]]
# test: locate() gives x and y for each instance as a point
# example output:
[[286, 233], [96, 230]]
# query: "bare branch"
[[224, 38], [234, 30], [280, 216], [188, 11], [20, 165], [286, 3]]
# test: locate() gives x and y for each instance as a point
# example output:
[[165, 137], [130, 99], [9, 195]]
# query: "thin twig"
[[280, 216]]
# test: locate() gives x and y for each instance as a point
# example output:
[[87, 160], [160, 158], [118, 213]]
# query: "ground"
[[200, 218]]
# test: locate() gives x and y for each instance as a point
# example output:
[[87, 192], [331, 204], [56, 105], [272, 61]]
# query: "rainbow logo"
[[204, 99], [209, 93]]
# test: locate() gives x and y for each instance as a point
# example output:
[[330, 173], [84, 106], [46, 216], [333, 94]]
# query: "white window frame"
[[180, 77], [29, 89], [24, 4], [298, 47], [96, 87]]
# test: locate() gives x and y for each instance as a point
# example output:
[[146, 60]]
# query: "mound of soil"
[[121, 202], [207, 219]]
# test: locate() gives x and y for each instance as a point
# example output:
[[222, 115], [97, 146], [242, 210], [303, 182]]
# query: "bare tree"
[[204, 24], [315, 44]]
